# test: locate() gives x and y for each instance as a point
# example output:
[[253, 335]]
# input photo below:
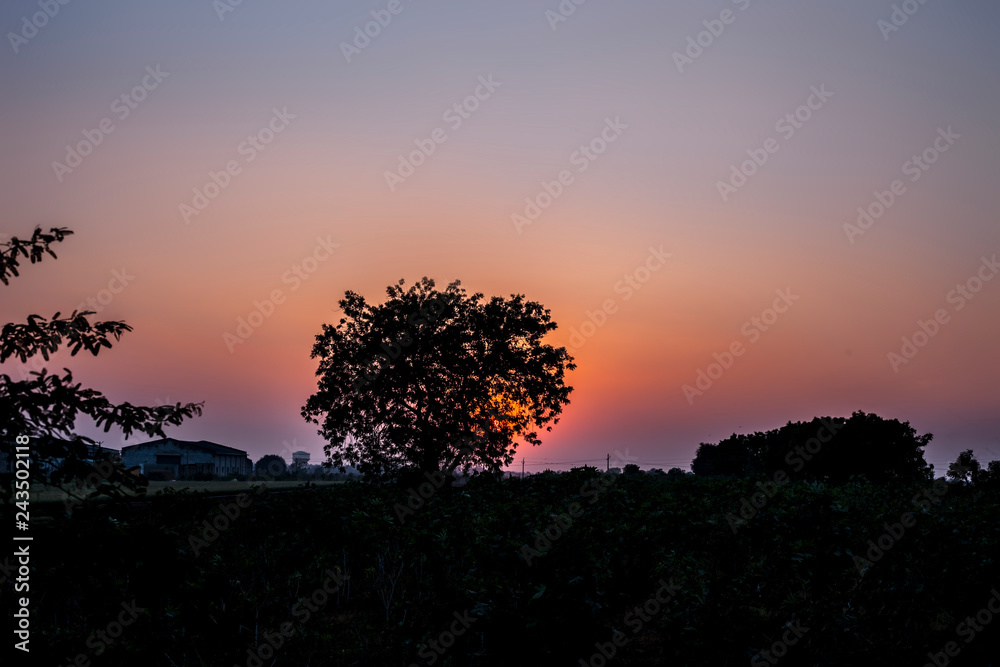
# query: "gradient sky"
[[655, 185]]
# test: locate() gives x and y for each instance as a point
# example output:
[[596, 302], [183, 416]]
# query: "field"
[[43, 494], [555, 569]]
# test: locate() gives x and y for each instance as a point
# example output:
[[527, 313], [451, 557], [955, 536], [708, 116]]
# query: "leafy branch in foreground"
[[41, 336], [44, 407], [33, 249]]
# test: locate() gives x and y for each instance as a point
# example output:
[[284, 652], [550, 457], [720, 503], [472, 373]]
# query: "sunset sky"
[[713, 154]]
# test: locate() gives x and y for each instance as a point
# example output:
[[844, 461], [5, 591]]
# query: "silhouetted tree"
[[824, 449], [433, 380], [43, 408], [964, 468], [271, 466], [990, 477], [868, 445], [738, 455], [631, 469]]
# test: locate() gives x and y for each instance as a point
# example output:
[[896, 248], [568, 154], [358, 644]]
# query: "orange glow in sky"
[[241, 174]]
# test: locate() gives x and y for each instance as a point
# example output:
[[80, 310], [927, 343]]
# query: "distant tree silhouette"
[[991, 475], [964, 468], [739, 455], [675, 473], [432, 380], [44, 407], [866, 444], [631, 469], [271, 465]]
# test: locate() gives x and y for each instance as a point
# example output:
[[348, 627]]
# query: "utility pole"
[[609, 462], [522, 467]]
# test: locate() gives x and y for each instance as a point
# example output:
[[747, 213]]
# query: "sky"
[[740, 213]]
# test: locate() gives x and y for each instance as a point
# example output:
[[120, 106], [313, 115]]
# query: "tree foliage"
[[824, 449], [32, 249], [271, 465], [965, 468], [433, 380], [45, 406]]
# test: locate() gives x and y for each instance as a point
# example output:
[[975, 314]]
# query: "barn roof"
[[204, 445]]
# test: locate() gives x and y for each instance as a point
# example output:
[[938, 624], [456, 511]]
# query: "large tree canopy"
[[826, 448], [271, 465], [44, 407], [432, 380]]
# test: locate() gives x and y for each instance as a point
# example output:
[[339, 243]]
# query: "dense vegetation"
[[826, 567], [469, 559], [435, 380], [824, 449]]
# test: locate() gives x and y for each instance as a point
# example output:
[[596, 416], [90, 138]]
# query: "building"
[[86, 452], [169, 458], [95, 452], [300, 460]]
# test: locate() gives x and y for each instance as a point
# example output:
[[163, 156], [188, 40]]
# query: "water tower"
[[300, 460]]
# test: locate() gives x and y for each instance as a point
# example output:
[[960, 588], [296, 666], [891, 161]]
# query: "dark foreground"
[[634, 570]]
